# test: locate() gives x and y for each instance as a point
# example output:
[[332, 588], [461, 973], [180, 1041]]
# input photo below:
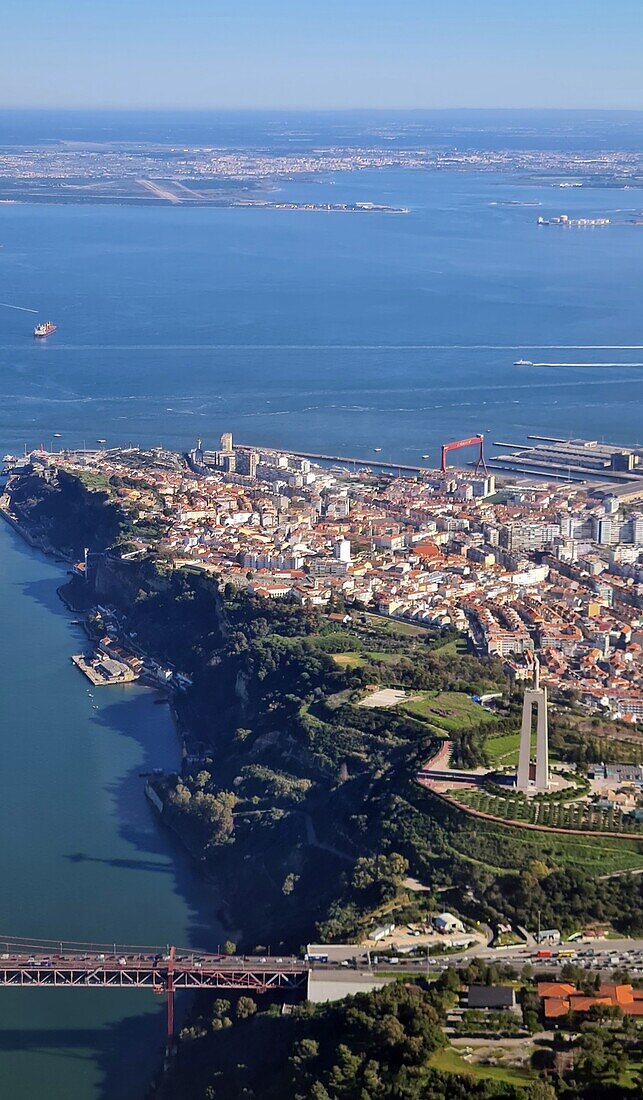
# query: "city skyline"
[[284, 56]]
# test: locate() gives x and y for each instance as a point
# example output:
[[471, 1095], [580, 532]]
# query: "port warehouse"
[[574, 460], [618, 471]]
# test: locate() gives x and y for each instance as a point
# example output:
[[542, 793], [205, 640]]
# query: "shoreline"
[[222, 914]]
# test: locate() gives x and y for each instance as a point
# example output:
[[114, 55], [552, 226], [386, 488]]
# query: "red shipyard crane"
[[473, 441]]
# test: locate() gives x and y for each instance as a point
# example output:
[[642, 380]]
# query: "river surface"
[[335, 332], [81, 855]]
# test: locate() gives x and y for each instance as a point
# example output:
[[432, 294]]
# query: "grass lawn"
[[628, 1078], [353, 659], [348, 660], [388, 626], [449, 1061], [457, 646], [595, 855], [503, 750], [507, 939], [381, 655], [450, 710]]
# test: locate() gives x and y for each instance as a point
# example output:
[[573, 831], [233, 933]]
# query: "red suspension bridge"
[[72, 965]]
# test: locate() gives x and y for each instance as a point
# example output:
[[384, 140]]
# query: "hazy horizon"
[[244, 54]]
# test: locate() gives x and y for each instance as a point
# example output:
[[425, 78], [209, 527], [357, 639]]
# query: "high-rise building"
[[528, 535], [226, 441], [636, 529], [603, 530], [227, 460], [247, 462], [342, 550]]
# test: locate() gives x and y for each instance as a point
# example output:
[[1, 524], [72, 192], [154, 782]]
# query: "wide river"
[[337, 332], [81, 856]]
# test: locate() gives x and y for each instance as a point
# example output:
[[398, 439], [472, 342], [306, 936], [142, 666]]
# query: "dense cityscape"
[[549, 569], [123, 172]]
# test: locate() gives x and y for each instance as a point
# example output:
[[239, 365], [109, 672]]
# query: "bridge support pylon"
[[169, 1039]]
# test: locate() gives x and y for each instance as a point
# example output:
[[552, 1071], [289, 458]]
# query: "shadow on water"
[[137, 823], [169, 896], [44, 590], [124, 1068], [139, 826], [147, 865]]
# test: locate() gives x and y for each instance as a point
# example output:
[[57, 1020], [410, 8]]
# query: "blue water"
[[289, 130], [337, 332], [340, 330], [82, 855]]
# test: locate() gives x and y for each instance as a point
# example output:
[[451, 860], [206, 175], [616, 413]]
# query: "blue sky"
[[321, 53]]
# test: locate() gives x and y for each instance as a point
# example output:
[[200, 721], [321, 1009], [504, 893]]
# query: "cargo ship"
[[44, 329]]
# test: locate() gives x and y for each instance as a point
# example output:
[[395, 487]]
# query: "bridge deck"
[[135, 976]]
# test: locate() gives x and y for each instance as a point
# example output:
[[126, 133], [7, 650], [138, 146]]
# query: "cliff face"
[[69, 512], [116, 581]]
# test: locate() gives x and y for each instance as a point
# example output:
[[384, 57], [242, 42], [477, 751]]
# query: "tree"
[[290, 882], [229, 948], [181, 796], [246, 1007], [542, 1090], [531, 1022]]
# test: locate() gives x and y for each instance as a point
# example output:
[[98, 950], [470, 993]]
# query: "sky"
[[317, 54]]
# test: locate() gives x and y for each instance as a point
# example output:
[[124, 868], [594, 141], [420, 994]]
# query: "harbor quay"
[[102, 670]]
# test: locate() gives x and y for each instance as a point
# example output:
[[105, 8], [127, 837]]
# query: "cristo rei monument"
[[534, 775]]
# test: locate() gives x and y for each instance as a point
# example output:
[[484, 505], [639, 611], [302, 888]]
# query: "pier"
[[579, 460], [101, 671], [345, 460]]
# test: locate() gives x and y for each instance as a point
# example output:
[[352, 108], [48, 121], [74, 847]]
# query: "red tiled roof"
[[556, 989], [581, 1003], [622, 994], [562, 997], [556, 1006]]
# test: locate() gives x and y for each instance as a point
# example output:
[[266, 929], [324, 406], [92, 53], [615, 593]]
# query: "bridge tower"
[[169, 989]]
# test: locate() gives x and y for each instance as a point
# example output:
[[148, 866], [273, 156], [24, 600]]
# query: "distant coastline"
[[161, 200]]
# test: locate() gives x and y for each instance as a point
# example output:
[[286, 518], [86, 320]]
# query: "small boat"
[[523, 363], [377, 450], [57, 435], [426, 456], [101, 441]]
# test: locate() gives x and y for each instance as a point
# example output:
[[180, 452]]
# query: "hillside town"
[[553, 570]]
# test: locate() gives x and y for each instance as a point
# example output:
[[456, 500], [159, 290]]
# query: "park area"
[[594, 854], [549, 811], [446, 711]]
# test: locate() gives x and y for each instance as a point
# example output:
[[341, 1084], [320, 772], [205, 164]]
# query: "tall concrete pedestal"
[[534, 776]]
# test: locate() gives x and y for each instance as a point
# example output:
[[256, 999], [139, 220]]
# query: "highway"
[[22, 966], [595, 954]]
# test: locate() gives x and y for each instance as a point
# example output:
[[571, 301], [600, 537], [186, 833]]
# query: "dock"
[[101, 671], [610, 467], [345, 460]]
